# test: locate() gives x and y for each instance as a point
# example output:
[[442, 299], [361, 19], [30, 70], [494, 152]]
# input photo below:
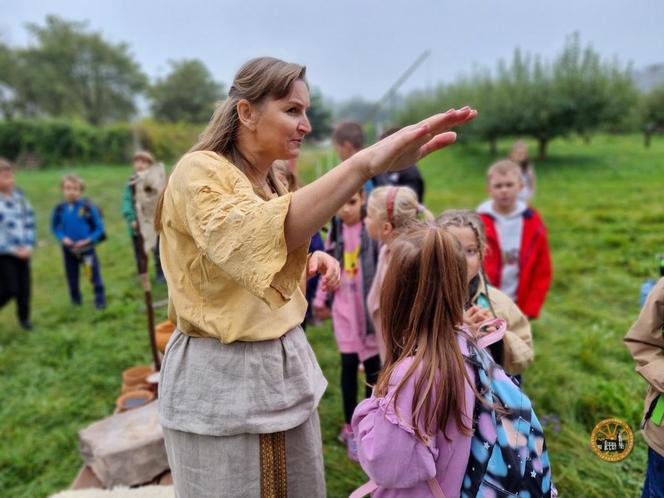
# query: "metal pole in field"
[[392, 91]]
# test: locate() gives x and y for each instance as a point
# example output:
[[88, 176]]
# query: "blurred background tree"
[[320, 116], [652, 113], [71, 72], [74, 75], [187, 93], [577, 92]]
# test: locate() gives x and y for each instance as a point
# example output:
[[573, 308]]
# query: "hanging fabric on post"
[[148, 186]]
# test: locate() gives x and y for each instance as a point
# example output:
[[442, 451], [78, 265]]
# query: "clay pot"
[[133, 399], [143, 385], [136, 377], [163, 332]]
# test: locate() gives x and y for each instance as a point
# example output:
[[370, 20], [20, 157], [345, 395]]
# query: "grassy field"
[[601, 201]]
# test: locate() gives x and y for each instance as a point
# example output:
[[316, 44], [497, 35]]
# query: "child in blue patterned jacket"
[[17, 240]]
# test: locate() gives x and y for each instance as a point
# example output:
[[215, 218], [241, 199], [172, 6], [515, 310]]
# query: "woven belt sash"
[[273, 465]]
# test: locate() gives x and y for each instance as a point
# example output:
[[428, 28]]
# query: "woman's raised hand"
[[411, 143], [314, 204]]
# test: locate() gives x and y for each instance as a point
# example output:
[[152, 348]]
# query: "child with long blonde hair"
[[389, 211], [515, 351]]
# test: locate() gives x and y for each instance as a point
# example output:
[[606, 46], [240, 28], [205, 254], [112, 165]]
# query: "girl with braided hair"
[[515, 351]]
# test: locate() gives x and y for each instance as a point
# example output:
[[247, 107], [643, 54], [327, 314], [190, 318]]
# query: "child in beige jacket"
[[515, 351], [645, 340]]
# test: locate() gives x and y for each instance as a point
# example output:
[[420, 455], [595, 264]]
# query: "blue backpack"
[[508, 456]]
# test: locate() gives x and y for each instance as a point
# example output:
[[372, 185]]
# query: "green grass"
[[601, 202]]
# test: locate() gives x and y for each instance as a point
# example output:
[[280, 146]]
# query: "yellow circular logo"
[[612, 440]]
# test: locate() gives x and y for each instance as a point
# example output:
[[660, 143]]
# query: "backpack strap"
[[365, 489], [87, 205], [492, 337], [337, 239], [58, 212], [371, 486], [336, 250], [435, 488]]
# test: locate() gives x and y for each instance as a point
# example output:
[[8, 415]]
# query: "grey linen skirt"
[[217, 401]]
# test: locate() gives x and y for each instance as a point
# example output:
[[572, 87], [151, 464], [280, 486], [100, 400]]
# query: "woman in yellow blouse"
[[240, 384]]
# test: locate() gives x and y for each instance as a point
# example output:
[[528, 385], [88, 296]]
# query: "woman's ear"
[[247, 114]]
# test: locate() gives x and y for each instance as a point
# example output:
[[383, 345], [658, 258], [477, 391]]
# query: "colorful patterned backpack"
[[508, 456]]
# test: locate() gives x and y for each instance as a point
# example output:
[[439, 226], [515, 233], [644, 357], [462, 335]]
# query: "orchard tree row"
[[576, 93]]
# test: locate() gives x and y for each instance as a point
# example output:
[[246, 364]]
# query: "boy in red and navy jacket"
[[517, 259]]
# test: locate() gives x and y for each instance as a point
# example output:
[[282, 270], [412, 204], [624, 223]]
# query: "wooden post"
[[147, 289]]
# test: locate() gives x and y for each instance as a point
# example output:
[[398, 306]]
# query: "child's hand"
[[134, 224], [321, 313], [82, 243], [67, 242], [474, 316], [328, 267], [23, 253]]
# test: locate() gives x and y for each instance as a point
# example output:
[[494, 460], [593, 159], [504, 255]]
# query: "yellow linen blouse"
[[224, 254]]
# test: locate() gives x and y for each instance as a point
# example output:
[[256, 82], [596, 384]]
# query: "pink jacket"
[[394, 458], [349, 319]]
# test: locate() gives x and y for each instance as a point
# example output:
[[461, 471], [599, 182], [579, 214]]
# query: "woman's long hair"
[[423, 296], [256, 81]]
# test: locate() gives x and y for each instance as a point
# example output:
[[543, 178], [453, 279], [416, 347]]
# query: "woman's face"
[[282, 124], [470, 247]]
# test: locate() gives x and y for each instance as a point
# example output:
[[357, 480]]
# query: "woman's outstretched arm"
[[313, 205]]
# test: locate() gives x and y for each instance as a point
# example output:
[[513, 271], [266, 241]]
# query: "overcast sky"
[[355, 47]]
